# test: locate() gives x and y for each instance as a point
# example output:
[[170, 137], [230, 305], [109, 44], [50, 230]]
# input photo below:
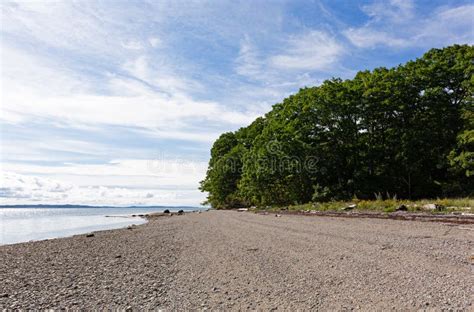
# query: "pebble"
[[176, 264]]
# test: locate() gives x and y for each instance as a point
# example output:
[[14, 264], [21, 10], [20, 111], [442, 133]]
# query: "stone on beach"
[[433, 207], [402, 208], [349, 207]]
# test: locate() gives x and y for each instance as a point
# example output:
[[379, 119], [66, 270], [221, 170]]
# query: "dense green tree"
[[223, 172], [462, 156], [225, 166], [406, 131]]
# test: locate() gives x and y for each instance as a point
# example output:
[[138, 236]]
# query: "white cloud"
[[119, 182], [249, 63], [315, 50], [447, 26], [87, 28], [390, 10], [69, 99], [80, 69], [367, 37], [273, 75], [155, 42], [156, 173], [23, 189], [394, 24], [162, 113], [133, 45], [159, 75]]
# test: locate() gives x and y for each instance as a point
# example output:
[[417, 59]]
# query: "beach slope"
[[231, 260]]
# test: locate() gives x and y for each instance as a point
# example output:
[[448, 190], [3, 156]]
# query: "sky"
[[119, 102]]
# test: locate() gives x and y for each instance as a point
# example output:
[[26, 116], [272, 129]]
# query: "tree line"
[[406, 131]]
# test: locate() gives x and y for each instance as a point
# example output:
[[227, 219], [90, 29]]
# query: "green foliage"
[[321, 193], [462, 156], [406, 131]]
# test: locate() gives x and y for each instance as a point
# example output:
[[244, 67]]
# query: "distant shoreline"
[[39, 223], [90, 206]]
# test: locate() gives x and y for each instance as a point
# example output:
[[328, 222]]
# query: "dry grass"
[[387, 205]]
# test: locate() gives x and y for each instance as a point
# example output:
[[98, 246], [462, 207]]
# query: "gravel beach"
[[229, 261]]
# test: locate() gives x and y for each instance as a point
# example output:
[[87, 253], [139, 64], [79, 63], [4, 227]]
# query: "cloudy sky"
[[118, 102]]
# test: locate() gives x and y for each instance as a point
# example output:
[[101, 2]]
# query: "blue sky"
[[118, 102]]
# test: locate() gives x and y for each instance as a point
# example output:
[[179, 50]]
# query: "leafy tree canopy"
[[406, 131]]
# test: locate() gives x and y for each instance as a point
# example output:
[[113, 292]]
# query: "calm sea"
[[35, 223]]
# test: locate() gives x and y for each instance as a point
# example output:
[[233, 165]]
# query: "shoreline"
[[140, 218], [147, 217], [400, 216], [230, 260], [79, 234]]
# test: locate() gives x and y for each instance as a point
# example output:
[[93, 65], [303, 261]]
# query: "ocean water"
[[37, 223]]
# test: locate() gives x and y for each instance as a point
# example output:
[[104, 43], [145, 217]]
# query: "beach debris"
[[130, 227], [429, 206], [252, 249], [402, 208], [4, 295], [433, 207], [166, 211], [242, 209], [386, 246], [350, 207], [118, 256], [156, 286], [90, 235], [278, 215], [180, 212]]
